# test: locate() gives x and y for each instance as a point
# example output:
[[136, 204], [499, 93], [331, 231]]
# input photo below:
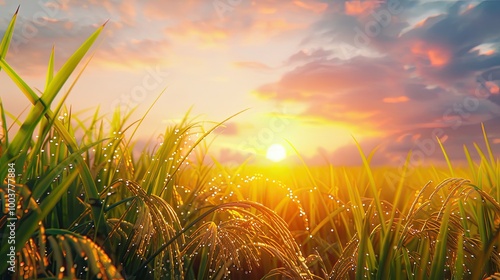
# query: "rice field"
[[83, 205]]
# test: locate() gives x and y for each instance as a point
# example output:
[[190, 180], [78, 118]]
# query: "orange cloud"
[[267, 10], [489, 52], [314, 7], [357, 7], [399, 99], [168, 10], [492, 87], [208, 34], [421, 23], [468, 8], [437, 56]]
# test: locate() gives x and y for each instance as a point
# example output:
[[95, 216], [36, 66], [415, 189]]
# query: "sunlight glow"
[[276, 152]]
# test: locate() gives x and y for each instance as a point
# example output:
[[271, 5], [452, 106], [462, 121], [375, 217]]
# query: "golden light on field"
[[276, 152]]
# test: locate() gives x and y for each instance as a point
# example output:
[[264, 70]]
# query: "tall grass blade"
[[7, 37], [445, 154]]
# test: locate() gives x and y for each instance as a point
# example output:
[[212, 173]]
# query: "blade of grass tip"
[[488, 147], [471, 163], [7, 37], [448, 162], [67, 69], [373, 187], [484, 162], [372, 154], [50, 70]]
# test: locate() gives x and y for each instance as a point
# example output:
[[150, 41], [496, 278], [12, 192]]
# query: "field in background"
[[87, 207]]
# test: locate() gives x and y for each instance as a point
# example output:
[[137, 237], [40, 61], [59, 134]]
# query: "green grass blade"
[[373, 188], [386, 248], [439, 259], [50, 70], [460, 261], [67, 69], [470, 163], [7, 37], [448, 162], [488, 147]]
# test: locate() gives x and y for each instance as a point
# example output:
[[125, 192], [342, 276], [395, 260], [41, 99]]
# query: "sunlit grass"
[[88, 206]]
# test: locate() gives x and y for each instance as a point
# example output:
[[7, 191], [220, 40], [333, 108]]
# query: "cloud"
[[307, 55], [315, 7], [33, 41], [254, 65], [438, 75], [398, 99], [358, 7]]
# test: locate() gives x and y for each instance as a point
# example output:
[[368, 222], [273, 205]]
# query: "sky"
[[395, 75]]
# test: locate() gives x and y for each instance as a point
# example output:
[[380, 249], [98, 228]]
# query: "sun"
[[276, 152]]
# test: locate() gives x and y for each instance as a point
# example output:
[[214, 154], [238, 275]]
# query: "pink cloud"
[[358, 7], [436, 55], [315, 7], [251, 65], [399, 99]]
